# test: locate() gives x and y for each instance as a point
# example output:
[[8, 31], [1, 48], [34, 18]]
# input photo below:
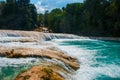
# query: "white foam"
[[6, 39], [24, 45], [27, 42], [86, 59], [4, 62], [80, 39]]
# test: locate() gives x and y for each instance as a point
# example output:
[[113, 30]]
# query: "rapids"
[[98, 59], [10, 68]]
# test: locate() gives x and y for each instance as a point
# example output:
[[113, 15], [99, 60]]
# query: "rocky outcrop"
[[17, 52], [46, 72], [40, 73]]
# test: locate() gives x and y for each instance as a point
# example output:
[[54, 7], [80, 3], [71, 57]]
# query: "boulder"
[[40, 73]]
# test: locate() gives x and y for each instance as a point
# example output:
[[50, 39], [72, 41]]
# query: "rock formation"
[[40, 73]]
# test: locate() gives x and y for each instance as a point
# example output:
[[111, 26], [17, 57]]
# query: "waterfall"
[[9, 35], [29, 39]]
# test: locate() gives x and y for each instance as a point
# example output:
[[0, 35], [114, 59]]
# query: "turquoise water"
[[9, 72], [10, 68], [99, 60]]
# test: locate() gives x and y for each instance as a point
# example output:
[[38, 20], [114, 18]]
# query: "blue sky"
[[43, 5]]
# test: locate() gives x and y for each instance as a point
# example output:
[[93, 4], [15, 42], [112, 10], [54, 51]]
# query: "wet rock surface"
[[14, 52], [40, 73]]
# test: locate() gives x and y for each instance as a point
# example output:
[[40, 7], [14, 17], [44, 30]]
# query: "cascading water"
[[9, 68], [99, 60]]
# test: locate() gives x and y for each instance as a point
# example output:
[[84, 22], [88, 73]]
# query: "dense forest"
[[90, 18], [18, 14]]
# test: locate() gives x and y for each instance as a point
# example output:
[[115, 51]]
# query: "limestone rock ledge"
[[17, 52], [40, 73], [46, 72]]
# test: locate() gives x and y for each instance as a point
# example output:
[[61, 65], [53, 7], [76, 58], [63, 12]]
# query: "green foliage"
[[54, 20], [91, 18], [20, 15], [23, 2], [11, 1]]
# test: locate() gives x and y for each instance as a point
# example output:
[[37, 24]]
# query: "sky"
[[43, 5]]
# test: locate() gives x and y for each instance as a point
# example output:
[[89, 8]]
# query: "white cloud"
[[41, 8]]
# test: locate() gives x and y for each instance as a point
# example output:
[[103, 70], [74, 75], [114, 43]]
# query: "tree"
[[73, 13], [18, 15], [54, 19], [113, 22], [45, 21], [11, 1], [23, 2], [40, 19]]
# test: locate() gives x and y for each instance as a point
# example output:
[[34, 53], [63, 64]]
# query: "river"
[[98, 59]]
